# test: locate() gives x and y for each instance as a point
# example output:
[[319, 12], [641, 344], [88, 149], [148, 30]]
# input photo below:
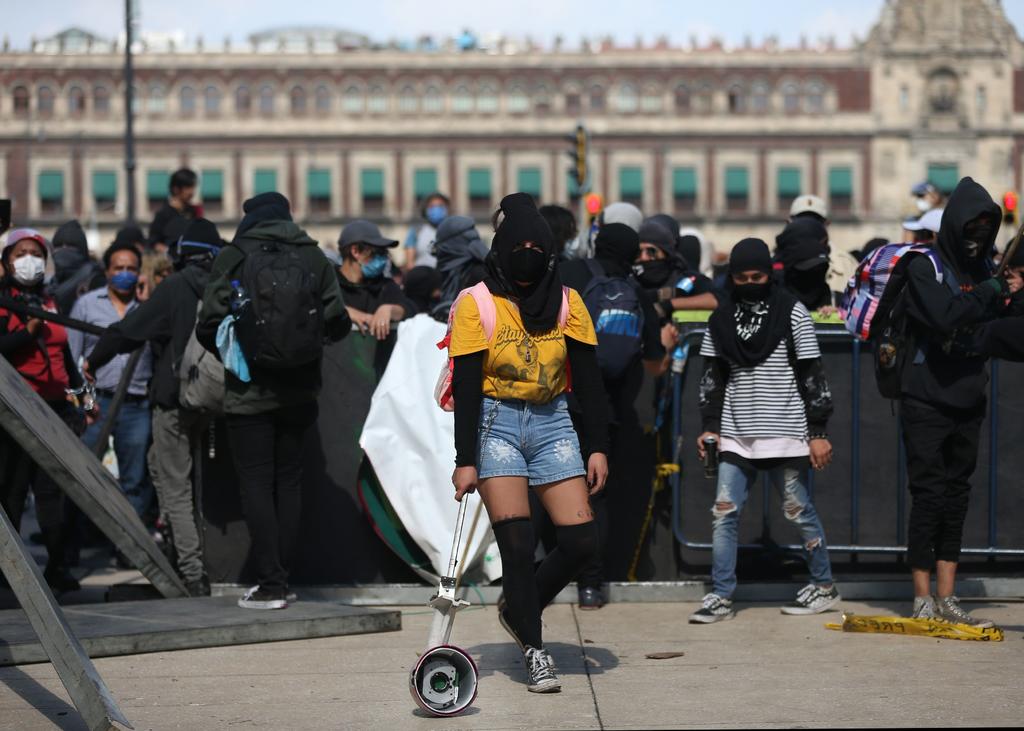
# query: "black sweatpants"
[[267, 450], [942, 452]]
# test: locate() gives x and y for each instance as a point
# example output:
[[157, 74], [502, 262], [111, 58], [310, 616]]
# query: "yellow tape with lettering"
[[917, 627]]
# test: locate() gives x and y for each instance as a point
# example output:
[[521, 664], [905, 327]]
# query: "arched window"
[[650, 100], [187, 101], [737, 99], [596, 98], [22, 101], [76, 101], [542, 99], [211, 101], [815, 98], [627, 98], [790, 98], [322, 96], [266, 100], [462, 100], [243, 100], [101, 101], [157, 101], [44, 101], [377, 100], [760, 98], [352, 100], [408, 100], [981, 100], [487, 99], [433, 100], [298, 101], [573, 101], [518, 100], [681, 98], [703, 100]]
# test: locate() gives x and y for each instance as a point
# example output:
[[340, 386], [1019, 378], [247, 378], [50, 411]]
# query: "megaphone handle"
[[453, 559]]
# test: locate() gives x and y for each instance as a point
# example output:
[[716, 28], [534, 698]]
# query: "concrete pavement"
[[760, 670]]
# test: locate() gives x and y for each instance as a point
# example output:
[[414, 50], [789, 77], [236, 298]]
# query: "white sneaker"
[[713, 608], [813, 599]]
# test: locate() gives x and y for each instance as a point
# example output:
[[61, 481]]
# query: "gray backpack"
[[200, 376]]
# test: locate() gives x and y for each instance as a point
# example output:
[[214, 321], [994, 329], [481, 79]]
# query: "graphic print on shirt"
[[526, 366]]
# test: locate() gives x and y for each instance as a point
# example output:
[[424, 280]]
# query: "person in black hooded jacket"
[[943, 390], [166, 321]]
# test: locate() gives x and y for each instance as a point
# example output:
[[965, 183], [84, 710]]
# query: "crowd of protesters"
[[591, 306]]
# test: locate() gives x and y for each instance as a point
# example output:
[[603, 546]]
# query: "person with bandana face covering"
[[943, 390], [460, 256], [420, 241], [765, 399], [802, 259], [671, 281], [512, 427], [132, 430], [39, 351]]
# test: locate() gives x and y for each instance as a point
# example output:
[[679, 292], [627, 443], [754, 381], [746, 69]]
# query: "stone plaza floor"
[[760, 670]]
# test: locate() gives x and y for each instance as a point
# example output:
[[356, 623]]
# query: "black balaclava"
[[616, 247], [541, 300], [457, 246], [968, 202], [753, 319], [197, 245], [264, 207], [71, 235], [802, 243], [656, 273], [420, 285]]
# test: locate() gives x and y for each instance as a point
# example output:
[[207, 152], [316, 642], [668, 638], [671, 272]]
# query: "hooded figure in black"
[[460, 254], [74, 272], [803, 252], [943, 390]]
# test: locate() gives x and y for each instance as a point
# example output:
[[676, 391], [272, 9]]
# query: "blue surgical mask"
[[436, 214], [124, 281], [375, 267]]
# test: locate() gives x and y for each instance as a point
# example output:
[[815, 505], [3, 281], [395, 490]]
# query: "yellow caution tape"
[[938, 628], [664, 470]]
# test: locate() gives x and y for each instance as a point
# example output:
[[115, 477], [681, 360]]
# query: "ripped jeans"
[[733, 487]]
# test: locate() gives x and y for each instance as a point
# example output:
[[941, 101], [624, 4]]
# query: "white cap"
[[929, 221], [622, 212], [806, 203]]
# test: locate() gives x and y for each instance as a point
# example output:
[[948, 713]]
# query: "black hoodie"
[[942, 373]]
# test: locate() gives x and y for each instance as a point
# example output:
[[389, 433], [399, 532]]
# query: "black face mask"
[[653, 274], [527, 265], [976, 235], [751, 292]]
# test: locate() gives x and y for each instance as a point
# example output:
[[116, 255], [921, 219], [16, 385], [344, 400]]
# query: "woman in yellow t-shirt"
[[512, 425]]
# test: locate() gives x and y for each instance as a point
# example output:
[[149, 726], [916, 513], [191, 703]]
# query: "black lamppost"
[[129, 112]]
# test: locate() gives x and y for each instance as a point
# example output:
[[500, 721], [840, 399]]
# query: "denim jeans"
[[131, 440], [733, 487]]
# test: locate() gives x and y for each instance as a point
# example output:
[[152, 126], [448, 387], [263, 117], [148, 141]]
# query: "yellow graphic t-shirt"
[[518, 364]]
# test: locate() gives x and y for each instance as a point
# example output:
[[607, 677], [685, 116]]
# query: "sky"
[[733, 20]]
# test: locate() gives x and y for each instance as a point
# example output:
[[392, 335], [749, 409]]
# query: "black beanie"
[[264, 207], [750, 255], [652, 232], [617, 246], [71, 235], [522, 222]]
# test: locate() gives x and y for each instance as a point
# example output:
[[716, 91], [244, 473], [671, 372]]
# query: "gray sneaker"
[[540, 671], [924, 608], [713, 608], [949, 609]]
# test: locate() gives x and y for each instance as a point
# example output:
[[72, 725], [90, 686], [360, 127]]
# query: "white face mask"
[[29, 270], [923, 205]]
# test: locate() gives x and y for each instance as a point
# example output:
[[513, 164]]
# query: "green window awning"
[[631, 182], [371, 182], [264, 180], [788, 182], [156, 184], [684, 183], [944, 176], [211, 184], [528, 180], [424, 182], [104, 185], [51, 185], [318, 183], [479, 183], [737, 182], [571, 185], [840, 181]]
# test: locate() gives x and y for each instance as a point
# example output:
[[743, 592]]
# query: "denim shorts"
[[536, 441]]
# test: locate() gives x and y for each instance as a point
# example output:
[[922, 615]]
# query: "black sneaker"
[[256, 598], [713, 608], [506, 624], [290, 596], [540, 671], [590, 597], [813, 599], [61, 580], [199, 587]]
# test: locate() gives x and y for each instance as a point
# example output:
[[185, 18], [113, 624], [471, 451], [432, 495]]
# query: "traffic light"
[[578, 154], [1010, 203], [593, 203]]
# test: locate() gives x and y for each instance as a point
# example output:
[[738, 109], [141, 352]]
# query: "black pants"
[[267, 450], [942, 452]]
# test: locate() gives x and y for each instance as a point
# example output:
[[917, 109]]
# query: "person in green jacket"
[[269, 416]]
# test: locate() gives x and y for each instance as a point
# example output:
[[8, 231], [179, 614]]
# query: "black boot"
[[56, 572]]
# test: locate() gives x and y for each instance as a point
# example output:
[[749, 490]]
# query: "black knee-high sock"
[[515, 539], [577, 544]]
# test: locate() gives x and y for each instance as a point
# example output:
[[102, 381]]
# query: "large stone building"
[[722, 138]]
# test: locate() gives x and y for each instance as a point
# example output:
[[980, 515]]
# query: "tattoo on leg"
[[588, 513], [507, 516]]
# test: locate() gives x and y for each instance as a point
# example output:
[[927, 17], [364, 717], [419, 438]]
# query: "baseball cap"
[[622, 212], [929, 221], [366, 232], [923, 188], [806, 203]]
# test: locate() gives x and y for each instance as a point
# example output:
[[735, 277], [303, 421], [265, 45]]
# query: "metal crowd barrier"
[[691, 336]]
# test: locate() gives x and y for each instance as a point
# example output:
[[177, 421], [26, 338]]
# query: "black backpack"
[[280, 319], [614, 306]]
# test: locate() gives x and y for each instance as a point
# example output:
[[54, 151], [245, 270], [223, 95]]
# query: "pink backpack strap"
[[486, 307], [563, 311]]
